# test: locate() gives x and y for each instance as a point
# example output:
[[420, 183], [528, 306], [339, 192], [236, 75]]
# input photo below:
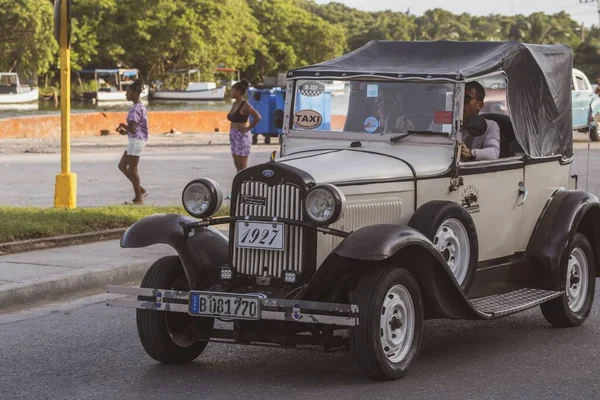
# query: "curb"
[[55, 288], [52, 288], [60, 241]]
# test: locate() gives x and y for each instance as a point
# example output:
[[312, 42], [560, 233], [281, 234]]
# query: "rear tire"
[[388, 338], [166, 335], [267, 139], [254, 139], [574, 307], [594, 133]]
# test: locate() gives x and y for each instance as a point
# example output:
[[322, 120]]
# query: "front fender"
[[568, 212], [200, 255], [380, 245], [594, 110]]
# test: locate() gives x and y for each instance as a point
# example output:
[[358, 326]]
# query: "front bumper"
[[311, 312]]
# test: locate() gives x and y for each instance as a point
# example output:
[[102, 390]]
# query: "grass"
[[23, 223]]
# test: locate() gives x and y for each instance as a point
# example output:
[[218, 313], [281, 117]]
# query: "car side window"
[[580, 83]]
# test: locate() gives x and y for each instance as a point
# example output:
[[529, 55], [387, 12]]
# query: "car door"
[[543, 176], [582, 95], [491, 193]]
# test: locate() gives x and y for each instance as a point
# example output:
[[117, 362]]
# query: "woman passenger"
[[240, 137]]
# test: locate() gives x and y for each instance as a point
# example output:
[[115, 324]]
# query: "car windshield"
[[370, 106]]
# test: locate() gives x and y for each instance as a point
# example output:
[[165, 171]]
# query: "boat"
[[335, 87], [193, 90], [110, 85], [12, 92]]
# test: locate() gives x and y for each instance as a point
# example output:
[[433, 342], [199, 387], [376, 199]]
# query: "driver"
[[389, 109], [487, 146]]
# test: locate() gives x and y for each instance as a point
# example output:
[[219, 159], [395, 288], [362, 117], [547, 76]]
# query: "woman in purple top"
[[136, 130], [240, 138]]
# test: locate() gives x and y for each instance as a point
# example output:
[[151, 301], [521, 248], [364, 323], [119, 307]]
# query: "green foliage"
[[22, 223], [27, 42], [293, 37], [259, 37]]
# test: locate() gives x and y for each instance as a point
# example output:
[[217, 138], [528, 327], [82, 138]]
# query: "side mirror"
[[476, 126], [278, 118]]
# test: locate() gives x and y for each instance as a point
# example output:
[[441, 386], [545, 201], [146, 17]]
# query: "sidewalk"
[[52, 274]]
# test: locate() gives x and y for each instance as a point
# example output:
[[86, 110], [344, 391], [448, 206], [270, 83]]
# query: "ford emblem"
[[267, 173]]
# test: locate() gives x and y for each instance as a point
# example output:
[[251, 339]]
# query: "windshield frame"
[[451, 138]]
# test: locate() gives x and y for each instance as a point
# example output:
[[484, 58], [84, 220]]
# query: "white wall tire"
[[388, 338], [452, 231], [579, 275]]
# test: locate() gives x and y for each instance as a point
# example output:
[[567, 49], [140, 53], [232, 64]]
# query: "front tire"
[[387, 339], [452, 231], [574, 307], [166, 336]]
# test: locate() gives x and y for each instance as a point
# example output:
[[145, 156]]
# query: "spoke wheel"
[[452, 241]]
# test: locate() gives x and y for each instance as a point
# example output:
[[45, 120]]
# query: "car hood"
[[346, 165]]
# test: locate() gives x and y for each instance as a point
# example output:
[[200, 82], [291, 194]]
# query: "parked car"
[[351, 238], [586, 104]]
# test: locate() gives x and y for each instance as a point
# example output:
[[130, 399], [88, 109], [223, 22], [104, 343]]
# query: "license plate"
[[260, 235], [224, 305]]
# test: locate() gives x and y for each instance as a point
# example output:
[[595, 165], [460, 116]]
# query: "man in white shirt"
[[487, 146]]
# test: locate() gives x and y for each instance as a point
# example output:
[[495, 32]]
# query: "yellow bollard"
[[65, 189]]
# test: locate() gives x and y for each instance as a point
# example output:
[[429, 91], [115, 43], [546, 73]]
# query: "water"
[[77, 106], [339, 105]]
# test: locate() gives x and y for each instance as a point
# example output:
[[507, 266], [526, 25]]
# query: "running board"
[[500, 305]]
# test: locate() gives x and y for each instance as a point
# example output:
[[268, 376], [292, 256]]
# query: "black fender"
[[566, 213], [380, 245], [201, 255]]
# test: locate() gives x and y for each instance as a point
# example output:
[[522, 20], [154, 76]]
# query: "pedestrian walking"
[[136, 130], [240, 137]]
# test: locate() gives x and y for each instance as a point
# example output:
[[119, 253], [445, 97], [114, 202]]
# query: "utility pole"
[[65, 190], [593, 1]]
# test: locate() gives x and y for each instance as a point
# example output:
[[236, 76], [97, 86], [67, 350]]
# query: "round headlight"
[[325, 204], [202, 198]]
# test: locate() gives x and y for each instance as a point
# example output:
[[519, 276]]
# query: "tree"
[[27, 42], [440, 24], [93, 41], [159, 35], [294, 37]]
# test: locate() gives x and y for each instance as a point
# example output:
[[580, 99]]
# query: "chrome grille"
[[283, 201], [356, 216]]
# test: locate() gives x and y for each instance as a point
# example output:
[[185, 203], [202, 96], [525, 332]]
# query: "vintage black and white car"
[[360, 230]]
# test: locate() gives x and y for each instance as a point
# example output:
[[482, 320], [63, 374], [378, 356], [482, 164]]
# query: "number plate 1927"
[[224, 305], [259, 235]]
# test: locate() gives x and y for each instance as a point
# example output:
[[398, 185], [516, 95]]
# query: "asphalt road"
[[28, 179], [90, 351]]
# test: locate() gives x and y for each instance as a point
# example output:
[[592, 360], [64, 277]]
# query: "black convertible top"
[[539, 79]]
